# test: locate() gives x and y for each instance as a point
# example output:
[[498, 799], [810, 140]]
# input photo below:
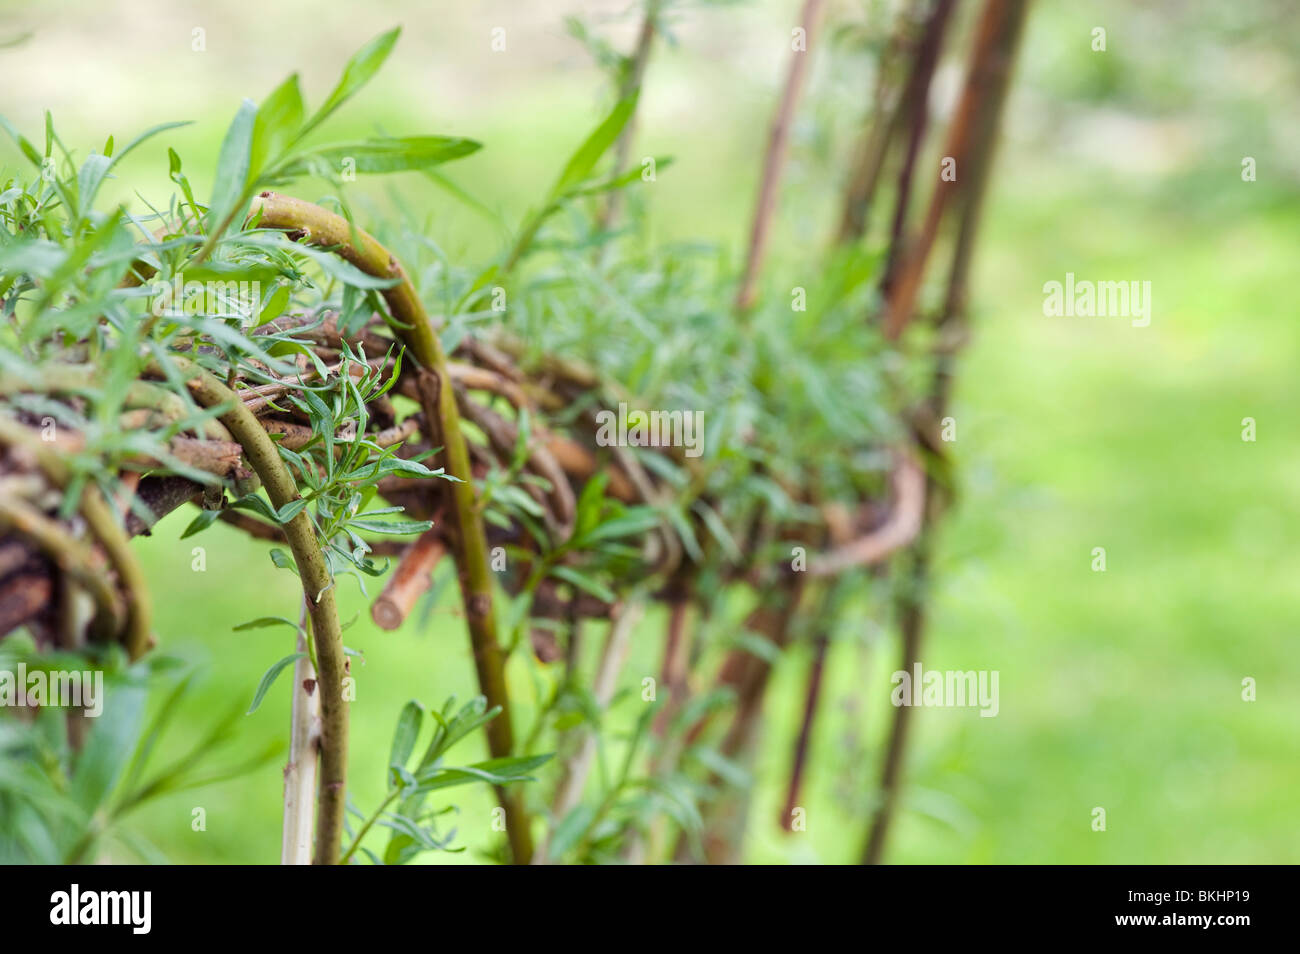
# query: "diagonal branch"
[[996, 36], [774, 160]]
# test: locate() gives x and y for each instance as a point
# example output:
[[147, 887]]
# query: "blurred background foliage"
[[1119, 689]]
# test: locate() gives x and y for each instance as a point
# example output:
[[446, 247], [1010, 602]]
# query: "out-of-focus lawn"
[[1119, 690]]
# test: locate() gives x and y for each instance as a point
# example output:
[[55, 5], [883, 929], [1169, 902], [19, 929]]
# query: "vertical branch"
[[915, 104], [312, 224], [821, 644], [989, 76], [677, 652], [911, 625], [774, 160], [878, 130], [300, 771], [990, 54], [318, 589], [633, 73]]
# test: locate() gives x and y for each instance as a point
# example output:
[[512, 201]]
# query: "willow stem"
[[634, 72], [317, 586], [774, 159], [319, 227], [300, 771], [997, 38]]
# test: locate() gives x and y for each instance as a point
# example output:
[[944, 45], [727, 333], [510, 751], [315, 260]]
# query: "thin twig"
[[634, 71], [988, 53], [822, 620], [915, 103], [774, 159], [300, 770], [878, 130]]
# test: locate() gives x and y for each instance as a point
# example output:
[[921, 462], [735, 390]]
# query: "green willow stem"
[[317, 585], [369, 824], [321, 228]]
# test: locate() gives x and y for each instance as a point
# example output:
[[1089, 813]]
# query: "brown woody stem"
[[774, 159], [70, 555], [107, 531], [408, 581], [986, 87], [996, 36]]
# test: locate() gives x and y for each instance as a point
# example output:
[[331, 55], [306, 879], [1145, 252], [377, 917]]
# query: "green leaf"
[[590, 503], [330, 264], [394, 527], [257, 505], [504, 771], [96, 168], [200, 523], [404, 736], [570, 828], [282, 559], [365, 63], [677, 802], [734, 773], [758, 645], [262, 622], [471, 716], [396, 154], [621, 181], [469, 201], [147, 134], [291, 510], [582, 162], [157, 724], [89, 178], [686, 533], [634, 522], [584, 583], [276, 126], [393, 464], [108, 749], [233, 163], [482, 281], [27, 148], [270, 676], [718, 529]]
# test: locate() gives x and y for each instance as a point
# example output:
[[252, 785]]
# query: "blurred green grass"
[[1119, 689]]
